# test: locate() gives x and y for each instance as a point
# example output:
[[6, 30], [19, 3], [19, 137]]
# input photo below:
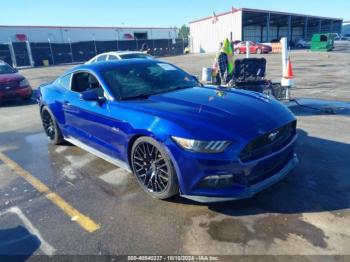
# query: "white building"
[[258, 26], [61, 34], [346, 28]]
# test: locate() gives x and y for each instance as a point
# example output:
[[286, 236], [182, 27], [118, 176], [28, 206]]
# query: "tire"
[[259, 51], [153, 168], [50, 126], [238, 51]]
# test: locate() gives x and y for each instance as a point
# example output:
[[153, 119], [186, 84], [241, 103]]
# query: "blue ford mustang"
[[172, 133]]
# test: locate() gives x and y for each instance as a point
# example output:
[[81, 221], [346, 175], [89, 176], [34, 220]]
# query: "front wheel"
[[50, 126], [153, 168], [259, 51]]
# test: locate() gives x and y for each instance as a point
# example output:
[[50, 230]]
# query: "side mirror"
[[91, 95]]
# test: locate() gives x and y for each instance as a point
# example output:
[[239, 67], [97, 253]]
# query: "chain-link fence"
[[39, 54]]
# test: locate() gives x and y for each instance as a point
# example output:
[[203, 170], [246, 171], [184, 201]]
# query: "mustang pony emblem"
[[272, 137]]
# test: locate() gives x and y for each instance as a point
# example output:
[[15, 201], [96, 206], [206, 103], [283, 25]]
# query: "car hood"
[[10, 77], [226, 112]]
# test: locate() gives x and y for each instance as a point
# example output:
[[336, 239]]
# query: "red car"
[[255, 48], [12, 84]]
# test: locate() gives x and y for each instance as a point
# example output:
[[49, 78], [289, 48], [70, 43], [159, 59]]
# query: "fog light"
[[217, 181]]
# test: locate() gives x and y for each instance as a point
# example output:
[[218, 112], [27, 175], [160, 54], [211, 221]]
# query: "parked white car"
[[118, 55], [303, 44], [340, 37]]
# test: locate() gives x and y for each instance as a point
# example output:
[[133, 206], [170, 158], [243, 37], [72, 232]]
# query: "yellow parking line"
[[85, 222]]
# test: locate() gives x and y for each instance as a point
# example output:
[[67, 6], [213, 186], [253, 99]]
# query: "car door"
[[90, 122], [242, 47], [252, 47]]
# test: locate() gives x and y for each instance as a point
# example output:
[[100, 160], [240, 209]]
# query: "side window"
[[101, 58], [64, 81], [112, 57], [84, 81], [324, 38]]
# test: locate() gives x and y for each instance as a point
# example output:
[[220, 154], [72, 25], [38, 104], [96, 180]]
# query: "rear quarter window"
[[64, 81]]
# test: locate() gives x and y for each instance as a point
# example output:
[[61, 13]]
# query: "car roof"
[[113, 64], [121, 53]]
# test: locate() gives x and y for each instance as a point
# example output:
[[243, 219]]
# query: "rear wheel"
[[51, 128], [153, 168]]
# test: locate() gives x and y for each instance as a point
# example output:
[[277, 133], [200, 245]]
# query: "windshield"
[[6, 69], [132, 56], [145, 79]]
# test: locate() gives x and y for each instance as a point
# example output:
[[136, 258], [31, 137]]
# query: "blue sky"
[[149, 12]]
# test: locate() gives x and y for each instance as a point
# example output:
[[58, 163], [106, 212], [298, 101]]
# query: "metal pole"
[[247, 49], [289, 29], [53, 59], [306, 28], [137, 44], [93, 37], [268, 27], [320, 26], [183, 45], [30, 55], [169, 42], [12, 53], [117, 38], [152, 40], [284, 43], [71, 50]]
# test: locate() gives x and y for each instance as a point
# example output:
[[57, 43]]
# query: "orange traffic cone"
[[289, 71]]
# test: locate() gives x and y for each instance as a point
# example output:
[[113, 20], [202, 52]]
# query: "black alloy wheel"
[[153, 168], [50, 126]]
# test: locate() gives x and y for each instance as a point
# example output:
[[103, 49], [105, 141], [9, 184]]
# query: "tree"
[[184, 32]]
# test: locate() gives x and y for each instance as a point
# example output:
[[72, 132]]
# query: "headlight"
[[202, 146], [24, 82]]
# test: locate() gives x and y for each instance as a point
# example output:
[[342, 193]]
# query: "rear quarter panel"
[[52, 96]]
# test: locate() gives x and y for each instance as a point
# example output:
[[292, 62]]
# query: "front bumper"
[[15, 93], [252, 190], [249, 177]]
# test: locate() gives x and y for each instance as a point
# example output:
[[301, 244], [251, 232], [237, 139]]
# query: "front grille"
[[11, 84], [269, 143], [265, 173]]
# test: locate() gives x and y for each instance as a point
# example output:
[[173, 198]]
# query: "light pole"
[[53, 59], [93, 38], [71, 49], [70, 45], [152, 41], [117, 38]]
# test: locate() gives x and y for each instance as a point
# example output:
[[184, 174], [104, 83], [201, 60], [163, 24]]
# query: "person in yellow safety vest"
[[215, 68], [225, 62]]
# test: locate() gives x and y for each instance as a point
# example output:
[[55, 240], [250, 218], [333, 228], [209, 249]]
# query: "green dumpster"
[[322, 42]]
